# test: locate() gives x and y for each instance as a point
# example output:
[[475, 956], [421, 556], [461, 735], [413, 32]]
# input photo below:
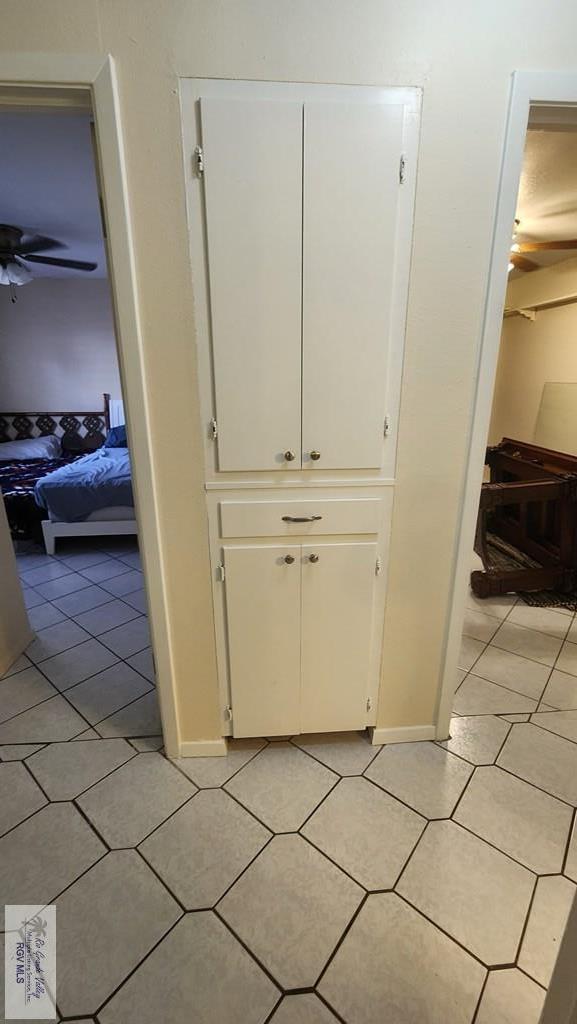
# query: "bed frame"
[[78, 432], [103, 528]]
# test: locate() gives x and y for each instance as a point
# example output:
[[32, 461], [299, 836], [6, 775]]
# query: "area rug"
[[504, 556]]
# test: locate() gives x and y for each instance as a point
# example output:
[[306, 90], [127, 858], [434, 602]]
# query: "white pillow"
[[35, 448]]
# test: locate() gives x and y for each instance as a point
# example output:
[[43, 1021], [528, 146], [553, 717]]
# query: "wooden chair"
[[530, 504]]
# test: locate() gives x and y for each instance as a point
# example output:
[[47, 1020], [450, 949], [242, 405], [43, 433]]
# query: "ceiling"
[[547, 202], [48, 185]]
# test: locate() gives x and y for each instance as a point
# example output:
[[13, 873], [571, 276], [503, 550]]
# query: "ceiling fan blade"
[[564, 243], [38, 243], [54, 261], [521, 263]]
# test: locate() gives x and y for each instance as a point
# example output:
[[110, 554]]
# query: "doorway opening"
[[65, 452]]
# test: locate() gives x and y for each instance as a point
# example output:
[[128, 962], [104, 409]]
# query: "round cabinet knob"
[[315, 456], [289, 456], [289, 559], [313, 558]]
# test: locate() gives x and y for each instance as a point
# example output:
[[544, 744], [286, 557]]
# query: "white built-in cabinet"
[[300, 203]]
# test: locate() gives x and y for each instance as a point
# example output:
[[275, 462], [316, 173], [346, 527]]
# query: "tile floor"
[[305, 881]]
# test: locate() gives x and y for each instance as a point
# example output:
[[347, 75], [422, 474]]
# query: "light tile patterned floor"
[[311, 880]]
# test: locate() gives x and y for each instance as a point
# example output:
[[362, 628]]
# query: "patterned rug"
[[505, 556]]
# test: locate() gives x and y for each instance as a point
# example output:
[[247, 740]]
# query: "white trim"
[[301, 482], [528, 87], [403, 734], [96, 73], [203, 748], [98, 528]]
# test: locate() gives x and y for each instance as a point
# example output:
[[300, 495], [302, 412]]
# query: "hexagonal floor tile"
[[394, 965], [303, 1009], [44, 854], [547, 920], [529, 825], [510, 997], [422, 775], [203, 848], [473, 892], [211, 772], [137, 797], [477, 739], [346, 753], [281, 786], [19, 795], [118, 910], [545, 760], [199, 972], [366, 831], [66, 769], [290, 908]]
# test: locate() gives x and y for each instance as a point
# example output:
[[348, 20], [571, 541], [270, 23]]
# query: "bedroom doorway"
[[65, 460]]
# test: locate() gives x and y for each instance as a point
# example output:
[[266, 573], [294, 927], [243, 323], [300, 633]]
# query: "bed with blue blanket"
[[91, 496]]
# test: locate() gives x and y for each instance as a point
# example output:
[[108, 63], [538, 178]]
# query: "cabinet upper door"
[[263, 613], [351, 187], [338, 582], [253, 195]]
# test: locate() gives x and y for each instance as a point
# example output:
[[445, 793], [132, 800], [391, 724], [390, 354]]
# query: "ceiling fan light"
[[16, 273]]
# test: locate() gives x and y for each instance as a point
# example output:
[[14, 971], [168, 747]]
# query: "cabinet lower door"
[[263, 613], [337, 608]]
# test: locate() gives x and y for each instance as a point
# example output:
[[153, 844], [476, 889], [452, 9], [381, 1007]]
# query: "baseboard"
[[203, 748], [403, 734]]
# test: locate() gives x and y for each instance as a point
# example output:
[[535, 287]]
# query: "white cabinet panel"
[[351, 187], [253, 194], [337, 611], [305, 517], [263, 612]]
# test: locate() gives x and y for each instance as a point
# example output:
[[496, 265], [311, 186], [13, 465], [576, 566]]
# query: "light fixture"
[[12, 273], [510, 267]]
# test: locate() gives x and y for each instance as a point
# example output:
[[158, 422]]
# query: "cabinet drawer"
[[323, 516]]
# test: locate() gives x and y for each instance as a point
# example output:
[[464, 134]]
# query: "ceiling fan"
[[517, 258], [19, 244]]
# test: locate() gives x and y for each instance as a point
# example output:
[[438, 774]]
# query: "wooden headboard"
[[77, 430]]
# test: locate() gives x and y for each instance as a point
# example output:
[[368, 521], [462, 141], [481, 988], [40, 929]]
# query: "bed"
[[83, 490]]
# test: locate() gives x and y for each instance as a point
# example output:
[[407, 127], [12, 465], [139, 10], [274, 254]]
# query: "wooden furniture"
[[530, 503], [300, 204]]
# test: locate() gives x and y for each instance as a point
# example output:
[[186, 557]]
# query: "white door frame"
[[528, 87], [96, 73]]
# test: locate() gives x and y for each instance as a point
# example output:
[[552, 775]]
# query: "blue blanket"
[[96, 481]]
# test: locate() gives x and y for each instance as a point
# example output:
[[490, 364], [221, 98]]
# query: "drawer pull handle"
[[313, 558], [301, 519], [289, 456], [289, 559]]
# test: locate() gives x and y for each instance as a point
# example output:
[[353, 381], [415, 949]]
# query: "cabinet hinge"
[[198, 161], [220, 573], [386, 425], [378, 567], [402, 169], [369, 703], [213, 430], [228, 713]]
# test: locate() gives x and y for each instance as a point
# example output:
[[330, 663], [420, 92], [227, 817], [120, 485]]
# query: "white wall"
[[57, 347], [532, 353], [462, 53]]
